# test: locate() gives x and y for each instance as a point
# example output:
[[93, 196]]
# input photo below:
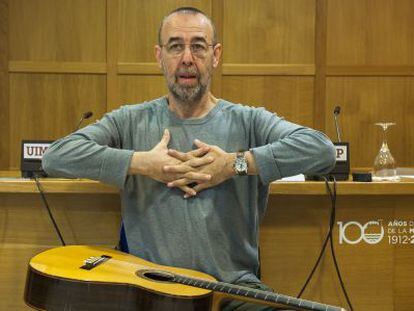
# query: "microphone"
[[85, 115], [342, 166], [337, 110]]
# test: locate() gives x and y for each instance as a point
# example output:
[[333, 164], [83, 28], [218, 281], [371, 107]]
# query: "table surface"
[[11, 182]]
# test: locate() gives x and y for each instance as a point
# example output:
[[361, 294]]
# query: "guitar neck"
[[255, 294]]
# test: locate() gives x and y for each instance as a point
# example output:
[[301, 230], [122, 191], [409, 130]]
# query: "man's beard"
[[187, 94]]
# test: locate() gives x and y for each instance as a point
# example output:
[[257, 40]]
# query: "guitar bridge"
[[93, 262]]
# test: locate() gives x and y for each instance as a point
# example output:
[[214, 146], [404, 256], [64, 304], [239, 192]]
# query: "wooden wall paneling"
[[112, 41], [282, 228], [268, 57], [370, 272], [64, 37], [404, 269], [290, 97], [26, 230], [370, 70], [217, 18], [369, 275], [140, 78], [370, 56], [4, 85], [88, 219], [366, 32], [48, 30], [268, 69], [139, 23], [13, 261], [48, 106], [269, 31], [137, 89], [320, 65], [57, 67], [79, 220], [366, 100]]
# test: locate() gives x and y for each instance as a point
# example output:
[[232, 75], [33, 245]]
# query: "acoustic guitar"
[[92, 278]]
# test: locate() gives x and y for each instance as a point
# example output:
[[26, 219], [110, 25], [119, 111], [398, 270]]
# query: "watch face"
[[240, 166]]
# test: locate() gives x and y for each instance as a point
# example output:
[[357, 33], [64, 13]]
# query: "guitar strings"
[[251, 293]]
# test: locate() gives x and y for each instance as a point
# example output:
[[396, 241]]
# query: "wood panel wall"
[[298, 58], [26, 230], [370, 73], [4, 86]]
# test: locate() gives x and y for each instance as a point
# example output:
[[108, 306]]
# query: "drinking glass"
[[385, 167]]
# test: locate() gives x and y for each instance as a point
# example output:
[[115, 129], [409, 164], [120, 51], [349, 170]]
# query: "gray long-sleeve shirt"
[[216, 231]]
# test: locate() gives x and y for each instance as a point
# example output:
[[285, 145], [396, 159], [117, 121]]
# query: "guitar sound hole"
[[158, 276]]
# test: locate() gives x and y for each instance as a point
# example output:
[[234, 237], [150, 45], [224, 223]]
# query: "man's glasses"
[[199, 49]]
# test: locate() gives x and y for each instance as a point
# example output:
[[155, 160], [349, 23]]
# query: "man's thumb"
[[165, 137]]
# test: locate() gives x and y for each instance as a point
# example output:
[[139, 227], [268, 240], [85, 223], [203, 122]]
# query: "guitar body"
[[56, 281]]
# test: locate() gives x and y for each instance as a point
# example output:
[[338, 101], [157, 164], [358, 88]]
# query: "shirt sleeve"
[[93, 152], [287, 149]]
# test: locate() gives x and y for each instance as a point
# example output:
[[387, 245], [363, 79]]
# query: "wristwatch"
[[240, 164]]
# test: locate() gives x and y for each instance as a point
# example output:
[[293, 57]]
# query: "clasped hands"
[[192, 171]]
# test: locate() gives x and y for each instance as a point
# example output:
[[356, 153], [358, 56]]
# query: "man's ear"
[[157, 51], [217, 55]]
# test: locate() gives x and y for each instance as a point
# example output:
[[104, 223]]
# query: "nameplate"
[[341, 152], [34, 150], [31, 157]]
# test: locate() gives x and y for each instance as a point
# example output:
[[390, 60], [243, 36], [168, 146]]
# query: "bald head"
[[190, 11]]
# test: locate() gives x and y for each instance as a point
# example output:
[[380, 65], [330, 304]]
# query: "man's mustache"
[[187, 72]]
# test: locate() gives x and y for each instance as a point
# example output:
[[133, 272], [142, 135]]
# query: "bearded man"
[[193, 169]]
